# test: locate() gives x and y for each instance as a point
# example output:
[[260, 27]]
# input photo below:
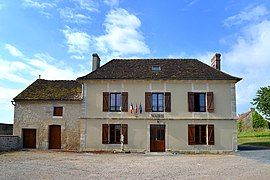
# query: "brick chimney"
[[215, 61], [95, 61]]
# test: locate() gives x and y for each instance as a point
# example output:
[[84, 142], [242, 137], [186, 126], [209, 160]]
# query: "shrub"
[[258, 121]]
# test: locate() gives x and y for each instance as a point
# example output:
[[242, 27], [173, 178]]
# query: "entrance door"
[[157, 138], [54, 137], [29, 138]]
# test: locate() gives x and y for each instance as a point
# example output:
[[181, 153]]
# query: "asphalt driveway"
[[249, 164]]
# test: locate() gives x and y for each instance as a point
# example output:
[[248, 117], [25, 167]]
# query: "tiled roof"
[[51, 90], [171, 69]]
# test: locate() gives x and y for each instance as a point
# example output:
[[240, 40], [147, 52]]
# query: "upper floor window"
[[200, 102], [115, 101], [58, 111], [157, 102]]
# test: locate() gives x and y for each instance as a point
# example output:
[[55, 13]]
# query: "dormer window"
[[156, 68]]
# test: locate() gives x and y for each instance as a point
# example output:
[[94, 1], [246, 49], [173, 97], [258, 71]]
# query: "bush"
[[258, 121]]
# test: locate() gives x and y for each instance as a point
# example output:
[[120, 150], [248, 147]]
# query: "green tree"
[[262, 101], [258, 121]]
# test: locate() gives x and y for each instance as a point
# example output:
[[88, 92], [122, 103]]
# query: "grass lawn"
[[254, 138]]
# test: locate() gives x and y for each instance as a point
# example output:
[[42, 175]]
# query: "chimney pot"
[[95, 61], [215, 61]]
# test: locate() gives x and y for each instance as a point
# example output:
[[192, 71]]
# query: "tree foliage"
[[262, 101], [258, 121]]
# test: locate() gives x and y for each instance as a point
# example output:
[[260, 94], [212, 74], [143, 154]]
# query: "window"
[[115, 102], [111, 133], [156, 68], [157, 102], [199, 102], [57, 111], [201, 134], [115, 133]]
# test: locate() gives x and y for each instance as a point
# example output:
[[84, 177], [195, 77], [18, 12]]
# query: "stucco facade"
[[38, 115], [176, 121]]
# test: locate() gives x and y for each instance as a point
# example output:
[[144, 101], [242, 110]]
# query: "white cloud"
[[122, 34], [71, 16], [6, 95], [78, 42], [89, 5], [249, 14], [249, 58], [52, 69], [10, 71], [77, 57], [38, 4], [41, 6], [111, 2], [13, 50]]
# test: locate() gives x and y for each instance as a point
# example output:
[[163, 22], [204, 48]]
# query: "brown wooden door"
[[157, 138], [54, 137], [29, 138]]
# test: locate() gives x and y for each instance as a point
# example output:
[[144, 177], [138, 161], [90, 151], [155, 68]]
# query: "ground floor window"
[[111, 133], [201, 134]]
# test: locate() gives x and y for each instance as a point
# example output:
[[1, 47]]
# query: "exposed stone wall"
[[39, 116], [8, 142], [6, 129]]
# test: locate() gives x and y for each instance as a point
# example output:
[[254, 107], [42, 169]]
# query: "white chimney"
[[215, 61], [95, 61]]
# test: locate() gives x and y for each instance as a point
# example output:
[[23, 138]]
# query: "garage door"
[[54, 137], [29, 138]]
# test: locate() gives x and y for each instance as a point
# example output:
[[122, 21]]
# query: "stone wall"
[[8, 142], [39, 116], [6, 129]]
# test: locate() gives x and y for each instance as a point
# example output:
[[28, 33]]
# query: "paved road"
[[249, 164]]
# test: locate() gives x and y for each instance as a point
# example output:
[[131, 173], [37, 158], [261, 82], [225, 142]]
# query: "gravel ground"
[[66, 165]]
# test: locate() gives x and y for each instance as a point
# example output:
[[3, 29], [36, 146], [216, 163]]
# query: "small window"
[[156, 68], [115, 102], [157, 102], [199, 102], [58, 111]]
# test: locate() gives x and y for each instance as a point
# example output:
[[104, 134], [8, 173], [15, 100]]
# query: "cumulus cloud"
[[249, 58], [70, 15], [122, 34], [248, 14], [78, 42], [13, 50]]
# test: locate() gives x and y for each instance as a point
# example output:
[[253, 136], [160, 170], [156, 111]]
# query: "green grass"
[[255, 138]]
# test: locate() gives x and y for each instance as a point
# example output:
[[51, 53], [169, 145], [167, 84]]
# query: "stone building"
[[46, 115], [142, 105]]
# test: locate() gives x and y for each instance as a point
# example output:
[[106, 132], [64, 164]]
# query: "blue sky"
[[56, 39]]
